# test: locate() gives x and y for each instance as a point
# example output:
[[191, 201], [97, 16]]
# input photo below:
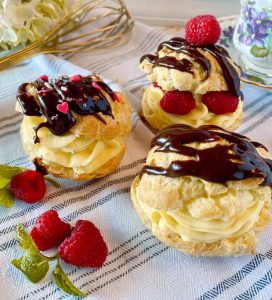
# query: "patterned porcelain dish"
[[249, 75], [253, 35]]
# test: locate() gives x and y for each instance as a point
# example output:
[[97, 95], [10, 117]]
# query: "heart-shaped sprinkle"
[[116, 97], [96, 86], [44, 77], [75, 78], [63, 107]]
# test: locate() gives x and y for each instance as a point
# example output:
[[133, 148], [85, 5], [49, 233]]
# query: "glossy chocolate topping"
[[220, 54], [57, 99], [183, 65], [40, 167], [27, 102], [236, 160]]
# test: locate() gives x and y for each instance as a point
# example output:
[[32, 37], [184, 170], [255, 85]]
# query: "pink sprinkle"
[[63, 107], [116, 97], [96, 86], [44, 77], [75, 78]]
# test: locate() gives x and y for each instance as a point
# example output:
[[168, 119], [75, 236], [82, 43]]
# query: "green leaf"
[[9, 171], [64, 283], [4, 182], [52, 181], [259, 52], [33, 264], [6, 198], [27, 243], [25, 240], [34, 267]]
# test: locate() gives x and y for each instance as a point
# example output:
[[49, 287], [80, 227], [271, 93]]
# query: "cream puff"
[[205, 191], [74, 126], [191, 84]]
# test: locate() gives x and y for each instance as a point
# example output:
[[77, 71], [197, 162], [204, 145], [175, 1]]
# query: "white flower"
[[22, 21], [7, 3], [7, 35], [19, 14]]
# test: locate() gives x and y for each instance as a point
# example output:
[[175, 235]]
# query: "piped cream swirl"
[[82, 154], [195, 209], [198, 228]]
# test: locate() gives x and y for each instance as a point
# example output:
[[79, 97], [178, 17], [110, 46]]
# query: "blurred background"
[[174, 12]]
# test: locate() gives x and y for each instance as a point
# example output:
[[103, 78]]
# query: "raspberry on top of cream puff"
[[74, 126], [205, 191], [193, 84]]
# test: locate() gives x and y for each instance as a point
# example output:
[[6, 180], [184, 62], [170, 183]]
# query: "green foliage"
[[34, 265], [259, 52], [64, 283]]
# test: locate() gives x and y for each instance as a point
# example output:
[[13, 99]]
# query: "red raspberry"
[[202, 30], [220, 102], [28, 186], [49, 230], [85, 247], [177, 102]]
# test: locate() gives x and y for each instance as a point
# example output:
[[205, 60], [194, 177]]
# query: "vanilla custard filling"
[[196, 230], [82, 154], [208, 211], [200, 115]]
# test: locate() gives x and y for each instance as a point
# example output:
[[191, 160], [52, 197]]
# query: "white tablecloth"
[[138, 265]]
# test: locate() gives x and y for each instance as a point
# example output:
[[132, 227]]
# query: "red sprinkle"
[[155, 84], [44, 77], [75, 78], [96, 86], [116, 97], [63, 107]]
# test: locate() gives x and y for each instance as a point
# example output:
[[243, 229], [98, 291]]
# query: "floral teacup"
[[253, 35]]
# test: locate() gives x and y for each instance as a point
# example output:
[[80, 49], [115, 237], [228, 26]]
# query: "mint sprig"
[[6, 174], [64, 283], [4, 182], [34, 265], [6, 198], [9, 171], [25, 240]]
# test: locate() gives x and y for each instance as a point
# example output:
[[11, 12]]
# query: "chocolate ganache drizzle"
[[180, 45], [79, 94], [236, 160]]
